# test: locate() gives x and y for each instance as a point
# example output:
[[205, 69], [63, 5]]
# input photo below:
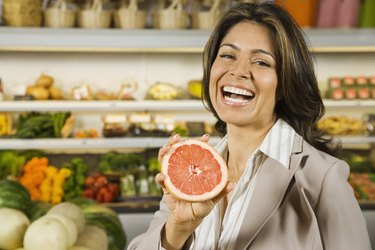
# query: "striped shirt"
[[214, 233]]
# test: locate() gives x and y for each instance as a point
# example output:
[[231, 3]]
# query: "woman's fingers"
[[163, 150], [204, 138], [159, 178]]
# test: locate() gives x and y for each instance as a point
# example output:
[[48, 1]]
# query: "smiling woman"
[[286, 189]]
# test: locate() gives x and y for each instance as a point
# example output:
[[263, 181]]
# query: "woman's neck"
[[243, 141]]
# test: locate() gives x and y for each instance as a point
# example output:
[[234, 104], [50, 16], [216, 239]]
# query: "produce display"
[[44, 125], [5, 124], [363, 185], [43, 89], [351, 88], [342, 125], [164, 91], [98, 187], [362, 176], [67, 225], [75, 182], [106, 219], [44, 182], [14, 195], [10, 163], [195, 89]]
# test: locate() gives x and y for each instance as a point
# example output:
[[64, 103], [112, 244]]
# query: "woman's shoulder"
[[317, 167], [318, 157]]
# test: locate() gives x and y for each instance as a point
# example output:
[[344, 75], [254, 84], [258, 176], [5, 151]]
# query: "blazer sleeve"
[[150, 240], [341, 221]]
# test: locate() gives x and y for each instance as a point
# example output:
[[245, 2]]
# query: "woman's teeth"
[[237, 95]]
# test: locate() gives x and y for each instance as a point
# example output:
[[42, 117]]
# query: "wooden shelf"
[[145, 105], [177, 105], [161, 41], [92, 143]]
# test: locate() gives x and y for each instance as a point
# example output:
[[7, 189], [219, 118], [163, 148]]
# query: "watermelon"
[[108, 220], [14, 195], [38, 209]]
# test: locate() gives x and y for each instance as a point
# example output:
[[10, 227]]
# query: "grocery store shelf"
[[177, 105], [154, 40], [357, 139], [118, 143], [146, 105], [341, 40], [342, 104], [93, 143], [101, 40]]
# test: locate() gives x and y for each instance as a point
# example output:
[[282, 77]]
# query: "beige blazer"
[[308, 206]]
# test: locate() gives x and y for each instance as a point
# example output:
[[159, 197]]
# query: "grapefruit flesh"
[[194, 171]]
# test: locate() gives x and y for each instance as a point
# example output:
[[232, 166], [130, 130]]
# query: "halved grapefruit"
[[194, 171]]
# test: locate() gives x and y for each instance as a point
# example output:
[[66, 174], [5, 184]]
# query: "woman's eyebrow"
[[254, 51], [257, 51]]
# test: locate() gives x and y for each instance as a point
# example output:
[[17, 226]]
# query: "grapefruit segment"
[[194, 171]]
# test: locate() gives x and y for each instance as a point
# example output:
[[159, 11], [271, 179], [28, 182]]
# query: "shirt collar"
[[277, 144]]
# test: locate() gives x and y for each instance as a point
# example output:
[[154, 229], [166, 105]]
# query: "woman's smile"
[[236, 96]]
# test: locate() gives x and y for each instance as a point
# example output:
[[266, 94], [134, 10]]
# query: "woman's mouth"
[[237, 95]]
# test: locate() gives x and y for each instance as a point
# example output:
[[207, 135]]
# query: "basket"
[[95, 17], [59, 16], [207, 19], [173, 17], [130, 17], [22, 13]]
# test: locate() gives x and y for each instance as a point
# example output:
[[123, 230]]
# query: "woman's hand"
[[184, 216]]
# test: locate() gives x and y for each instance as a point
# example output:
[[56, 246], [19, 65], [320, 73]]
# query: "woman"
[[285, 189]]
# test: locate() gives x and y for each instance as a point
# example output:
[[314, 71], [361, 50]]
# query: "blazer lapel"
[[271, 184]]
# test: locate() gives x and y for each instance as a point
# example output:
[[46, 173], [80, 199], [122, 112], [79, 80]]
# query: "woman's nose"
[[241, 69]]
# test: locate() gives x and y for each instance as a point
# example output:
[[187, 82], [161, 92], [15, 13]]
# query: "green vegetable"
[[154, 165], [40, 125], [10, 164], [75, 183], [112, 162]]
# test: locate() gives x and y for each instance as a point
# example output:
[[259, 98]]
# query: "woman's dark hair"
[[298, 97]]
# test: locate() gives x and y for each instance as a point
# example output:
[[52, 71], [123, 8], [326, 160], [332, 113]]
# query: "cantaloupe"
[[70, 226], [46, 233], [92, 237], [72, 211], [13, 225]]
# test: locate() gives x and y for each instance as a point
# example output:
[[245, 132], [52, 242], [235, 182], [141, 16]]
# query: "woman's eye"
[[262, 63], [226, 55]]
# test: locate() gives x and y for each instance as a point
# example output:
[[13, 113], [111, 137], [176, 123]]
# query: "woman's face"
[[243, 76]]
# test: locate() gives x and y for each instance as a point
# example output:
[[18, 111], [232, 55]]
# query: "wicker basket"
[[207, 19], [95, 17], [22, 13], [59, 16], [173, 17], [129, 17]]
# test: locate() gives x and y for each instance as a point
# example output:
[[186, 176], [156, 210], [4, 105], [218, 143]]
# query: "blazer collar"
[[272, 183]]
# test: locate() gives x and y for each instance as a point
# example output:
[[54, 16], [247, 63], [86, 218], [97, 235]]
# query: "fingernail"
[[206, 135], [176, 136]]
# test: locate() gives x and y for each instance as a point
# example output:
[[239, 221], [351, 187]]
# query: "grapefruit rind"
[[191, 197]]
